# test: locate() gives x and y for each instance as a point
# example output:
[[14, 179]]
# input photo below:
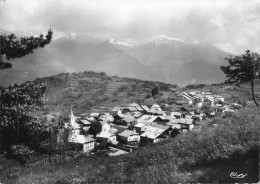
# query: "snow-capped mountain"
[[164, 58], [123, 44], [163, 39]]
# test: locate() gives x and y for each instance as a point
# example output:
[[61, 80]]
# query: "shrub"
[[123, 88]]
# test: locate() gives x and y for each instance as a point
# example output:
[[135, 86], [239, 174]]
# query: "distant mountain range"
[[163, 59]]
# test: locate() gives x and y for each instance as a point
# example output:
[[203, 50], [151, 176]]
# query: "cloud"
[[233, 25]]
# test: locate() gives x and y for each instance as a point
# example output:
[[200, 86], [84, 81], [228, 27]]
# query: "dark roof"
[[119, 129], [84, 121], [189, 107]]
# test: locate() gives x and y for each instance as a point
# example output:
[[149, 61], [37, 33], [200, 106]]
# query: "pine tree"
[[243, 68], [12, 47]]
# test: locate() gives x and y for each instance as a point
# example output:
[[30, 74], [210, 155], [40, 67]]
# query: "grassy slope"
[[208, 155], [92, 92]]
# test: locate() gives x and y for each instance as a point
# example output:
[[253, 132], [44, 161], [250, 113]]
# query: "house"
[[175, 126], [106, 137], [89, 144], [146, 119], [138, 127], [128, 120], [106, 117], [176, 115], [105, 126], [190, 115], [129, 136], [118, 119], [154, 128], [116, 110], [151, 137], [154, 133], [189, 108], [187, 124]]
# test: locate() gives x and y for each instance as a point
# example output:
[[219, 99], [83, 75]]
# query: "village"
[[131, 126]]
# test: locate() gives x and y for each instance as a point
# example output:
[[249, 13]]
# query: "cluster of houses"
[[135, 124]]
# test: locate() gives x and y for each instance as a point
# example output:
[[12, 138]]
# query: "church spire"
[[72, 117]]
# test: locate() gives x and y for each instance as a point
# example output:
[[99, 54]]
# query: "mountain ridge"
[[170, 61]]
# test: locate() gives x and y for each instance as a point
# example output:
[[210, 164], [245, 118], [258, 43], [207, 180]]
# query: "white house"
[[105, 126], [89, 144], [176, 115]]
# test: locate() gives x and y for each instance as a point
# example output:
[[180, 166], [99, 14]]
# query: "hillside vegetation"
[[209, 154], [93, 91]]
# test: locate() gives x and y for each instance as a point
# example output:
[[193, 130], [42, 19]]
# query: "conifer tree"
[[243, 68], [12, 47]]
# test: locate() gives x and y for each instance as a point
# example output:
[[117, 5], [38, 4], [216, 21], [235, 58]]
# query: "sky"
[[231, 25]]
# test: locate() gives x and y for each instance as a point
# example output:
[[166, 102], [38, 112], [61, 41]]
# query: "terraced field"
[[87, 93]]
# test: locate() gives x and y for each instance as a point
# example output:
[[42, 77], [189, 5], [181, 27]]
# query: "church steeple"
[[72, 117]]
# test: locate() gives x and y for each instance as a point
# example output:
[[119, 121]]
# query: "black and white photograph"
[[129, 91]]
